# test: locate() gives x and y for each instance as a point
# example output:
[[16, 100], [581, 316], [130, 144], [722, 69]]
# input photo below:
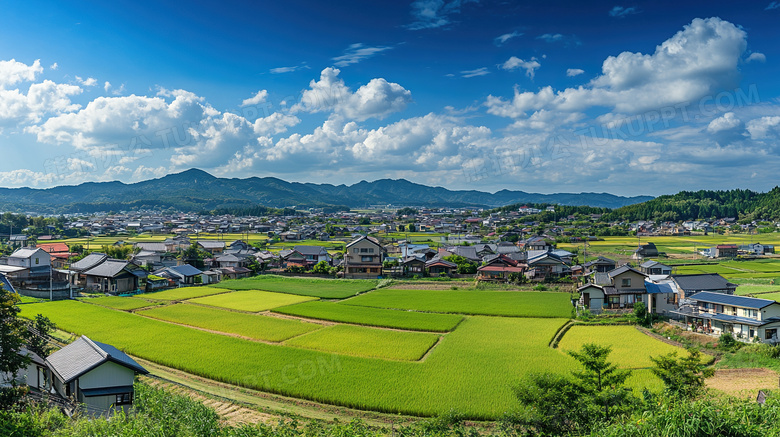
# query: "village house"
[[363, 258], [95, 374], [655, 268], [746, 318], [499, 268]]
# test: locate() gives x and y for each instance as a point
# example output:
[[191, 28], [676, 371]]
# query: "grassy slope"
[[251, 300], [323, 288]]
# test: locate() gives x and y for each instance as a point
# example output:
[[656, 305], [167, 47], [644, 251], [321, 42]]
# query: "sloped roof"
[[440, 262], [623, 269], [730, 299], [311, 250], [363, 237], [212, 244], [108, 268], [83, 355], [25, 252], [152, 247], [702, 282], [186, 270], [88, 261], [6, 283]]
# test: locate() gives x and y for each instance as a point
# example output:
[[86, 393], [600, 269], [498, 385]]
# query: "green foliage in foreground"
[[490, 303], [323, 288], [410, 320], [248, 325], [368, 342]]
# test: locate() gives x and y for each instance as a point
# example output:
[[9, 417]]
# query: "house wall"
[[107, 375], [663, 302], [636, 281], [770, 311]]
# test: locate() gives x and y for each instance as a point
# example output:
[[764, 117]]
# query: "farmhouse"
[[622, 287], [499, 267], [712, 282], [113, 276], [95, 374], [655, 268], [363, 258], [726, 251], [645, 251], [747, 318], [440, 267]]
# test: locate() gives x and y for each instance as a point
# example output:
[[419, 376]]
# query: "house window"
[[356, 250], [366, 259], [626, 282], [371, 250], [363, 250], [124, 399], [770, 333], [37, 260]]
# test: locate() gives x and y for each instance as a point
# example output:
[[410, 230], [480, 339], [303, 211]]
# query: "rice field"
[[367, 342], [322, 288], [630, 348], [337, 312], [252, 301], [757, 290], [470, 371], [184, 293], [121, 303], [257, 327], [490, 303]]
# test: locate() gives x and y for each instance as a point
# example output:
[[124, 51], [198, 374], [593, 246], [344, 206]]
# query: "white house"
[[95, 374]]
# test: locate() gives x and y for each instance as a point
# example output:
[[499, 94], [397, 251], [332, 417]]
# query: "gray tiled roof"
[[702, 282], [186, 270], [83, 355], [108, 269], [88, 261], [311, 250]]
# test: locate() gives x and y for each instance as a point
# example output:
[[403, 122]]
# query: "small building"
[[655, 268], [746, 318], [314, 254], [184, 274], [95, 374], [592, 297], [645, 251], [712, 282], [212, 246], [499, 268], [363, 258], [600, 264], [726, 251], [114, 276], [441, 267], [413, 265]]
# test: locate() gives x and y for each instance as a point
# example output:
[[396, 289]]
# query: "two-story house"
[[31, 262], [744, 317], [655, 268], [313, 254], [621, 288], [363, 258]]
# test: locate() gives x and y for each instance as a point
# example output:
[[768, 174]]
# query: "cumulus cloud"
[[699, 60], [430, 14], [502, 39], [529, 66], [13, 72], [90, 81], [755, 56], [356, 53], [571, 72], [474, 73], [257, 99], [764, 128], [377, 99], [727, 121]]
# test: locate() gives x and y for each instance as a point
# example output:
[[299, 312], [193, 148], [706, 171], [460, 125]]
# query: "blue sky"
[[559, 96]]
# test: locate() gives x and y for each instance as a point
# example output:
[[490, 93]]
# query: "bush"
[[727, 342]]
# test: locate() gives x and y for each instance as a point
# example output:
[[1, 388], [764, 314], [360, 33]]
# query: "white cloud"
[[755, 56], [356, 53], [764, 128], [257, 99], [13, 72], [699, 60], [502, 39], [727, 121], [571, 72], [514, 63], [620, 11], [773, 5], [90, 81], [53, 66], [430, 14], [280, 70], [550, 37], [275, 123], [474, 73], [377, 99]]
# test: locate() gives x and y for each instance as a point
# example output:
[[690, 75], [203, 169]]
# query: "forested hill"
[[704, 204]]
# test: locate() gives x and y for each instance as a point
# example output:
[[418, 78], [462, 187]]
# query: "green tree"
[[39, 335], [683, 377], [600, 378], [321, 268], [12, 339]]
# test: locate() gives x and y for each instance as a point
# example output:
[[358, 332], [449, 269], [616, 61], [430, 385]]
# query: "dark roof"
[[363, 237], [108, 268], [83, 355], [311, 250], [6, 283], [658, 287], [88, 261], [212, 244], [442, 262], [600, 261], [623, 269], [651, 263], [702, 282], [107, 391], [730, 299], [186, 270]]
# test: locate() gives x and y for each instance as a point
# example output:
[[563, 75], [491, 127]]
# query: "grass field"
[[630, 348], [248, 325], [337, 312], [323, 288], [744, 289], [184, 293], [28, 299], [367, 342], [491, 303], [252, 301], [470, 371], [121, 303]]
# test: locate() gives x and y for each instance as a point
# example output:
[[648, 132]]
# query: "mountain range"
[[195, 190]]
